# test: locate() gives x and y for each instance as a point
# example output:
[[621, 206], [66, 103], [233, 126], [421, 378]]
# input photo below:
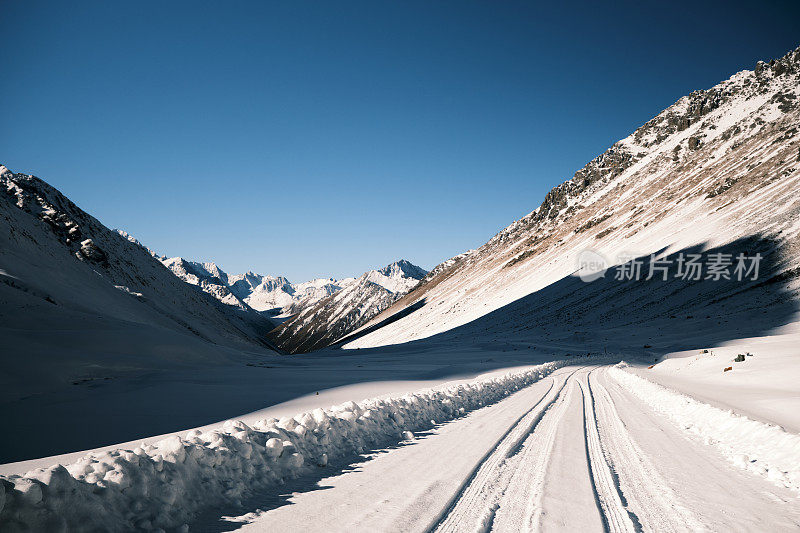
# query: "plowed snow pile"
[[764, 449], [166, 484]]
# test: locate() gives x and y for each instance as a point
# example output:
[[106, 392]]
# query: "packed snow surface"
[[575, 451]]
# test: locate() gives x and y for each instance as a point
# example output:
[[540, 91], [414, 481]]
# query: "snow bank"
[[166, 484], [764, 449]]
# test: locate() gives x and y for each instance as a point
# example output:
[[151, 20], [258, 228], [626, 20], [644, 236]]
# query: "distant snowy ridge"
[[763, 449], [336, 316], [268, 292], [207, 276], [249, 290], [166, 484], [134, 240], [362, 298], [398, 277]]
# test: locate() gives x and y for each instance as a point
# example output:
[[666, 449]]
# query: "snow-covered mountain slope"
[[399, 277], [207, 275], [573, 443], [79, 302], [337, 315], [716, 171]]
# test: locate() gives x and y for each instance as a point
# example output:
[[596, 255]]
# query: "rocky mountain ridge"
[[718, 165], [339, 314], [273, 296]]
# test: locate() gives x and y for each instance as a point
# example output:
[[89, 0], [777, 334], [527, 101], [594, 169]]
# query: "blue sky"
[[315, 139]]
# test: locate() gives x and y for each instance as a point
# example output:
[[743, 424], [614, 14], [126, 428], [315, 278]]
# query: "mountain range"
[[312, 318], [714, 173], [314, 313], [271, 295]]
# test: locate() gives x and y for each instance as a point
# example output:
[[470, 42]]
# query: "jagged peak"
[[403, 268]]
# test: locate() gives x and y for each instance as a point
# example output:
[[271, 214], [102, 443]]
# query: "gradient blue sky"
[[326, 138]]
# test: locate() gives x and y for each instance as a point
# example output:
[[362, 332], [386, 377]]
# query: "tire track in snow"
[[616, 516], [473, 508], [656, 504], [520, 506]]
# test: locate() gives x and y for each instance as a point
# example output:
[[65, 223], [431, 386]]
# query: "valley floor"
[[495, 438]]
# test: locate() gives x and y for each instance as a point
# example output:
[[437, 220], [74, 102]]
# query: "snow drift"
[[763, 449]]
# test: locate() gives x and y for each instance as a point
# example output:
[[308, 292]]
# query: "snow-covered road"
[[576, 445], [575, 451]]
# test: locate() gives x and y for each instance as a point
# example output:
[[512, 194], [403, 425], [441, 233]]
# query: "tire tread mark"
[[616, 516], [515, 435]]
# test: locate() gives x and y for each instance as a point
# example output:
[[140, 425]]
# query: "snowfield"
[[164, 485], [575, 451], [573, 444]]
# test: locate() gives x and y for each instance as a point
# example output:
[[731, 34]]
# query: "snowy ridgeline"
[[277, 294], [166, 484], [763, 449]]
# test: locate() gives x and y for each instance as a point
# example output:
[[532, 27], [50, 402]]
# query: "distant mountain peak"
[[277, 294], [334, 317], [403, 268]]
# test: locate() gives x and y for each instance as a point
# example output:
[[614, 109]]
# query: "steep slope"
[[79, 302], [341, 313], [715, 172], [207, 276]]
